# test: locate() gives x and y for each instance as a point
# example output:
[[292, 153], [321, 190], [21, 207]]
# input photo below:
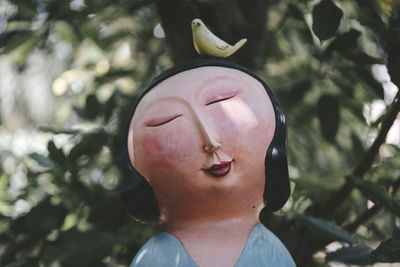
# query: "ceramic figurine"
[[205, 152]]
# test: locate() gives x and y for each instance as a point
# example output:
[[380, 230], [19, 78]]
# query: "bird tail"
[[234, 48], [240, 43]]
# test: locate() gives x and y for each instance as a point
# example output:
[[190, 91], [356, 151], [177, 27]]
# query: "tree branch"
[[368, 214], [327, 209]]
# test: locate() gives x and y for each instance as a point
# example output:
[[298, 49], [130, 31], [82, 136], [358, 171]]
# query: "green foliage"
[[89, 145], [377, 194], [326, 19], [388, 251], [350, 255], [74, 248], [46, 162], [329, 229], [74, 215], [329, 116], [40, 221]]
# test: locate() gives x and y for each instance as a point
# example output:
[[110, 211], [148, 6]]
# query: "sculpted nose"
[[210, 144], [208, 135], [211, 147]]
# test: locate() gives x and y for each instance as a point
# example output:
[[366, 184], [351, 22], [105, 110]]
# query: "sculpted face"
[[200, 137]]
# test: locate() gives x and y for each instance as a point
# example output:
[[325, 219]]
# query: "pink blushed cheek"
[[166, 150]]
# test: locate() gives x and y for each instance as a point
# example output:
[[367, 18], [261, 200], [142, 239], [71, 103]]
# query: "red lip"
[[219, 170]]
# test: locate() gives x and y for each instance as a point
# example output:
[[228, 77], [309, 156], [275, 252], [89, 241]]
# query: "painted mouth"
[[219, 170]]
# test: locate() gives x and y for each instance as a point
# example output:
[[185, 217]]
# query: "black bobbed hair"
[[136, 192]]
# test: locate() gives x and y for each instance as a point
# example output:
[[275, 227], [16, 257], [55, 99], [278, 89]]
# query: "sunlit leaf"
[[25, 49], [65, 31], [16, 27], [12, 40]]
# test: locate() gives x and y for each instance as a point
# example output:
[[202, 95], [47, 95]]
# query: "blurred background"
[[71, 71]]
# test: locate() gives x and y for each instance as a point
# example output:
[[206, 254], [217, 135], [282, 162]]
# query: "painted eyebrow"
[[220, 99], [161, 121]]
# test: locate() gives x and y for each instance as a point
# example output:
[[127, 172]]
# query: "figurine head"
[[202, 135]]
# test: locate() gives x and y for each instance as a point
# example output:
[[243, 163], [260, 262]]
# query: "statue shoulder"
[[163, 249], [263, 248]]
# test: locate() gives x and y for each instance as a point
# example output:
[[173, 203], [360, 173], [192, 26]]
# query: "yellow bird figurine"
[[206, 43]]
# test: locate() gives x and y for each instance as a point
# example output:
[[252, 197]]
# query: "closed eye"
[[159, 122], [219, 100]]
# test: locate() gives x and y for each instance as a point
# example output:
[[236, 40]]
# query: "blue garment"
[[262, 248]]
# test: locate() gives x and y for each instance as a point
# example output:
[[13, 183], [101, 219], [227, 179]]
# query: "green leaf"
[[90, 144], [42, 219], [394, 64], [387, 251], [53, 130], [345, 83], [350, 255], [74, 248], [359, 57], [25, 262], [376, 194], [42, 160], [115, 215], [294, 92], [25, 49], [65, 31], [392, 47], [329, 229], [369, 17], [26, 9], [365, 75], [295, 12], [380, 119], [12, 40], [344, 42], [92, 108], [329, 116], [326, 19], [358, 147], [109, 105], [56, 154]]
